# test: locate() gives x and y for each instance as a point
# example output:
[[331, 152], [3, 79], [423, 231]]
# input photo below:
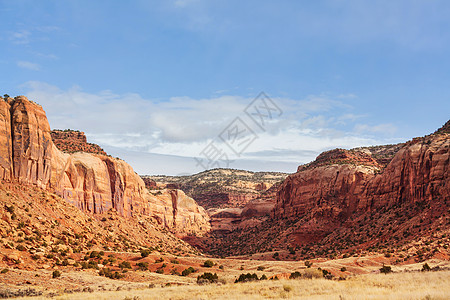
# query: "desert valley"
[[76, 223]]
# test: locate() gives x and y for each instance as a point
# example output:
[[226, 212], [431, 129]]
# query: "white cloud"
[[387, 128], [183, 126], [20, 37], [28, 65]]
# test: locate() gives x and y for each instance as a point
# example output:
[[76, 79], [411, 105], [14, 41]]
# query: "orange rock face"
[[74, 141], [31, 143], [327, 195], [5, 142], [92, 182]]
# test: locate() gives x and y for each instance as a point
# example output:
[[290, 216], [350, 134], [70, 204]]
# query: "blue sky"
[[155, 81]]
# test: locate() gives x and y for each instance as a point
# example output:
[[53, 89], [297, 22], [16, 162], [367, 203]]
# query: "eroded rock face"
[[179, 212], [5, 142], [31, 143], [325, 195], [419, 172], [74, 141], [92, 182]]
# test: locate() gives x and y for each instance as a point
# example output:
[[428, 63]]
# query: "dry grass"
[[408, 285]]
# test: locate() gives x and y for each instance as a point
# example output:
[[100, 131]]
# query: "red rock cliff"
[[94, 183], [328, 192]]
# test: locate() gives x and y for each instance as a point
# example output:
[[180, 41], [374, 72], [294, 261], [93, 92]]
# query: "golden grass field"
[[404, 285]]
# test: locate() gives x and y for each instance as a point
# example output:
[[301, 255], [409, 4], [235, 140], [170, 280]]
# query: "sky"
[[177, 86]]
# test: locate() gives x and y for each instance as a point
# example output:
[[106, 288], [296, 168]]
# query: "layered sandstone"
[[92, 182], [221, 188], [74, 141], [5, 142], [328, 195]]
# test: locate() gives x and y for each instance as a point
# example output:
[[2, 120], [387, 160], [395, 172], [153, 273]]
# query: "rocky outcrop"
[[31, 143], [5, 142], [221, 188], [92, 182], [327, 193], [74, 141], [174, 209]]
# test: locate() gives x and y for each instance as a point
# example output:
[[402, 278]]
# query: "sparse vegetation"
[[386, 269], [208, 264], [56, 274], [207, 278]]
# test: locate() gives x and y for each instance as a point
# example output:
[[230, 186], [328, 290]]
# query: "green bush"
[[207, 278], [208, 264], [188, 271], [56, 274], [21, 248], [247, 277], [261, 268], [145, 253], [143, 266], [108, 273], [4, 271], [295, 275], [426, 267], [125, 265], [343, 269], [386, 269]]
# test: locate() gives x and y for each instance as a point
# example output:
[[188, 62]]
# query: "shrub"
[[174, 261], [247, 277], [343, 269], [327, 275], [56, 274], [108, 273], [21, 248], [145, 252], [143, 266], [386, 269], [207, 278], [125, 265], [92, 264], [308, 264], [263, 277], [4, 271], [208, 264], [261, 268], [426, 267], [295, 275], [188, 271]]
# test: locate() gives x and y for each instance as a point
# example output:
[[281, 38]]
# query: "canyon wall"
[[92, 182], [340, 184]]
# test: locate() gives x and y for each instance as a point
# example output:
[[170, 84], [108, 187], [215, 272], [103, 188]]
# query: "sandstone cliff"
[[347, 201], [74, 141], [418, 172], [94, 183]]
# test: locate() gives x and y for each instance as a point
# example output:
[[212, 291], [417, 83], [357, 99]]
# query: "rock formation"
[[92, 182], [326, 196], [221, 188], [74, 141]]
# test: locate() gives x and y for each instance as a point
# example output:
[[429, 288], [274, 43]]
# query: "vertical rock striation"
[[94, 183]]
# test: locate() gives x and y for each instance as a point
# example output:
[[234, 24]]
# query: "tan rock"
[[5, 142], [94, 183]]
